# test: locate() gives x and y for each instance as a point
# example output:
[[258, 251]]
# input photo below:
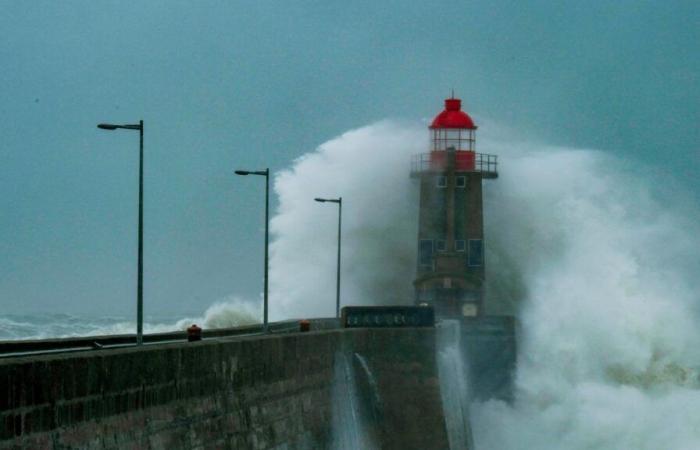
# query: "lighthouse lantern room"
[[450, 267]]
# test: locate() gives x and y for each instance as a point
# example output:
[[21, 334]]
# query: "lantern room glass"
[[462, 139]]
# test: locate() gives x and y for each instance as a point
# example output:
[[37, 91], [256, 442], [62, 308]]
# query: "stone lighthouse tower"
[[450, 266]]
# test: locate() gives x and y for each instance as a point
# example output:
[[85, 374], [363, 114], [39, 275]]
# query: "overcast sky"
[[232, 84]]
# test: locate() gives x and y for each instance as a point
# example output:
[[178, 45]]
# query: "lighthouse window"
[[460, 139], [476, 253], [441, 181], [460, 245], [461, 181], [426, 252]]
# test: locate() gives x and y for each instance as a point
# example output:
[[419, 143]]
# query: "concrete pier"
[[258, 392]]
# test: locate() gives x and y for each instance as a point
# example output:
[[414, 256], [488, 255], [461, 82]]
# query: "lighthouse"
[[450, 267]]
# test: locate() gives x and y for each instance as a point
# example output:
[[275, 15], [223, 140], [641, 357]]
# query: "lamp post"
[[139, 284], [266, 174], [339, 201]]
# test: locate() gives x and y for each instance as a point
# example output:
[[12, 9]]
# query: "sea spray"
[[226, 313], [607, 275], [376, 406], [349, 430], [453, 386], [369, 168]]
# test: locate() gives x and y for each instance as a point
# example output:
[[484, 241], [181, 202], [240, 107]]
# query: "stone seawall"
[[255, 392]]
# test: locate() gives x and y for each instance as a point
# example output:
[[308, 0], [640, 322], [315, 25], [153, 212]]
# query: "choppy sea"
[[43, 326], [229, 313]]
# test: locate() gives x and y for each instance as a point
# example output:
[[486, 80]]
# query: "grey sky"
[[225, 85]]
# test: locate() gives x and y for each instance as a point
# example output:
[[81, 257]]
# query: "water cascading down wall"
[[303, 390]]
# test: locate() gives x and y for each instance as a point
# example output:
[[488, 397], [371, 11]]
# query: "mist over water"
[[598, 264]]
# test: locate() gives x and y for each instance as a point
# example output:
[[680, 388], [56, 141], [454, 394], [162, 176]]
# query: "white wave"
[[231, 312], [369, 168], [600, 270], [607, 274]]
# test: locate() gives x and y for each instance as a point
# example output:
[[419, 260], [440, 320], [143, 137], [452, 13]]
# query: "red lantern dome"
[[453, 116], [453, 128]]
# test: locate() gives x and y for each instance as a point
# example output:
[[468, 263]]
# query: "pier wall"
[[256, 392]]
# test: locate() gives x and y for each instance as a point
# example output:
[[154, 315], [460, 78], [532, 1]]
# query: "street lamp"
[[139, 284], [266, 174], [339, 201]]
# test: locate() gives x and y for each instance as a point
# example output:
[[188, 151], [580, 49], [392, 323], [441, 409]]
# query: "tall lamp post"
[[266, 174], [139, 284], [339, 201]]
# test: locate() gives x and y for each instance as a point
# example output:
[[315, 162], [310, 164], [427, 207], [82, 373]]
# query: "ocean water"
[[227, 313]]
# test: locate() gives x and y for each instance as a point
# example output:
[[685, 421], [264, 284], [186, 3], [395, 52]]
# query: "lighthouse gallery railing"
[[464, 162]]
